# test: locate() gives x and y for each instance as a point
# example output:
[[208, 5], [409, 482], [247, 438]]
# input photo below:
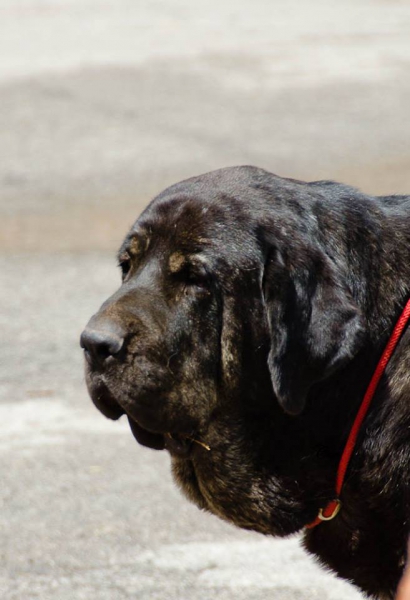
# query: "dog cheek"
[[229, 362], [196, 393], [230, 346]]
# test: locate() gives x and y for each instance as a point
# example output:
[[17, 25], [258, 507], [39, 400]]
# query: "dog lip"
[[178, 444], [103, 399], [150, 439]]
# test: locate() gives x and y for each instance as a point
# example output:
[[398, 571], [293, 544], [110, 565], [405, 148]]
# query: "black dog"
[[251, 317]]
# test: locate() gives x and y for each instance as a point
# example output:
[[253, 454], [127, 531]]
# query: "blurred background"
[[102, 105]]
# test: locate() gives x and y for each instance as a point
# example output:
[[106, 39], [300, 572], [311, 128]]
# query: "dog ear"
[[315, 326]]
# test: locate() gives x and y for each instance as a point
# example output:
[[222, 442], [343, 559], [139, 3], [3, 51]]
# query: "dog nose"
[[102, 342]]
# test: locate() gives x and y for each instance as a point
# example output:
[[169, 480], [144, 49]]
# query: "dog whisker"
[[208, 448]]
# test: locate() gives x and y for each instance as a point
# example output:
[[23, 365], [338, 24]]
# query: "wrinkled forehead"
[[205, 222], [182, 216], [188, 224]]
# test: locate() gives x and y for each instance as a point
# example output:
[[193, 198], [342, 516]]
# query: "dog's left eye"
[[201, 281], [124, 263], [197, 278]]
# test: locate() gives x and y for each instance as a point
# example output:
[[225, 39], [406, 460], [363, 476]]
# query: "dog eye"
[[198, 279], [124, 263]]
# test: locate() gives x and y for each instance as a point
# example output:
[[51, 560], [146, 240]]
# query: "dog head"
[[230, 307]]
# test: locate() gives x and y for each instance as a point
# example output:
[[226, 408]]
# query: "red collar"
[[331, 510]]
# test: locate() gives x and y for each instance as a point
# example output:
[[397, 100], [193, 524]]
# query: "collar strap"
[[332, 509]]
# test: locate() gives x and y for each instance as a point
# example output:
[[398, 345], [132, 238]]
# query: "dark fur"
[[254, 310]]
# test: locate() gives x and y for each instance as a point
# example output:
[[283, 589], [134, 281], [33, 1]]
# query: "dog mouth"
[[178, 444]]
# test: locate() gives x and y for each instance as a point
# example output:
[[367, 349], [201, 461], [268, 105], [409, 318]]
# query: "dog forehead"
[[180, 223], [192, 217], [184, 213]]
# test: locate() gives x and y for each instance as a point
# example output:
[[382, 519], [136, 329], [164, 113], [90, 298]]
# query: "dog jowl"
[[252, 312]]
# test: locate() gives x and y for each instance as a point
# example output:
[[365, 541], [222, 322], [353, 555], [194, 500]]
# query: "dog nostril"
[[101, 344]]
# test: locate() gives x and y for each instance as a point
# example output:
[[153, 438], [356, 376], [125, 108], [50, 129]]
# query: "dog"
[[251, 317]]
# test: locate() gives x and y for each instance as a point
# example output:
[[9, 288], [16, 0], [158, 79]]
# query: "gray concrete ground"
[[102, 104]]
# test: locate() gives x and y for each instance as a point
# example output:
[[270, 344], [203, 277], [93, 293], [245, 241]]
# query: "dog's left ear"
[[315, 326]]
